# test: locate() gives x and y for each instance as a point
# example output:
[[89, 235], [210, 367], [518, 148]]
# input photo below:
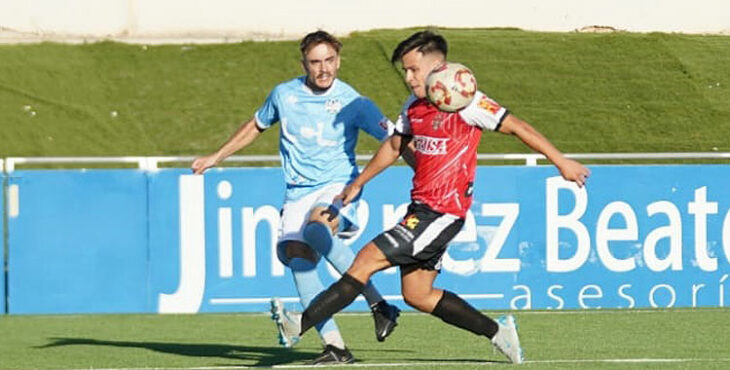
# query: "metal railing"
[[152, 163]]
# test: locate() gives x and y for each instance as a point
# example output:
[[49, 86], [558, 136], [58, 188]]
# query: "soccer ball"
[[451, 87]]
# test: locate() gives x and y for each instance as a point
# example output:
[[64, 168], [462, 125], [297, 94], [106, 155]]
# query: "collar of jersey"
[[325, 93]]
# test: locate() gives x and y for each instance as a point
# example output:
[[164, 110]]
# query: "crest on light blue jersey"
[[333, 106]]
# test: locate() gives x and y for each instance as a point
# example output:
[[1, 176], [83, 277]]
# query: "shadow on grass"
[[260, 356]]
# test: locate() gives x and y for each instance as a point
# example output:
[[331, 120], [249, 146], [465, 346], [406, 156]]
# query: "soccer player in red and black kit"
[[445, 147]]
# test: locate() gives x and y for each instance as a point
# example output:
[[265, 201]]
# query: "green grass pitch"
[[609, 339]]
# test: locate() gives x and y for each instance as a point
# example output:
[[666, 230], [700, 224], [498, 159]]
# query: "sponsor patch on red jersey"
[[489, 105], [430, 145]]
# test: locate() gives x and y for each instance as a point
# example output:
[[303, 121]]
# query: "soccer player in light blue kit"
[[320, 117]]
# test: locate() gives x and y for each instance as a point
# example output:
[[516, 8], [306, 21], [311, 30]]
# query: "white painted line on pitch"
[[629, 360], [447, 363]]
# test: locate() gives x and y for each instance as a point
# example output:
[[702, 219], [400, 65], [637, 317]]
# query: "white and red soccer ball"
[[451, 87]]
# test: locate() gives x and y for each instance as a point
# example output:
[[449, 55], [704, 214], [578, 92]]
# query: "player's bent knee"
[[289, 249], [422, 297], [418, 301], [297, 264], [318, 236]]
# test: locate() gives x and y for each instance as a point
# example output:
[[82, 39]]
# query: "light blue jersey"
[[319, 132]]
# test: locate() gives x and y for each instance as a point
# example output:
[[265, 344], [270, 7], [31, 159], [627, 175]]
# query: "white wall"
[[273, 19]]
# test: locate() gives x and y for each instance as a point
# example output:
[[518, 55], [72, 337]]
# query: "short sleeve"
[[403, 124], [484, 112], [268, 113], [372, 120]]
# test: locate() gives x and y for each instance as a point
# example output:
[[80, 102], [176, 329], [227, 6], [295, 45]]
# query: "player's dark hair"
[[317, 37], [424, 41]]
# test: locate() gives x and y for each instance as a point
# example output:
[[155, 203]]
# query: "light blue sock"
[[308, 286], [334, 250]]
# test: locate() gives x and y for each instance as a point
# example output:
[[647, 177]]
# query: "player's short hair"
[[424, 41], [318, 37]]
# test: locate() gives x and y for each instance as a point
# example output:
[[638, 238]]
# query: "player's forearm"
[[537, 142], [542, 145], [244, 136], [383, 158]]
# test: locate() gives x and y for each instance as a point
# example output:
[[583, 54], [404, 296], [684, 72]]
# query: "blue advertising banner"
[[637, 236], [212, 239], [168, 241], [78, 242], [222, 256]]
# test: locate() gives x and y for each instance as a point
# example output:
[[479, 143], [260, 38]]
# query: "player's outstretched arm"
[[570, 170], [246, 133], [388, 153]]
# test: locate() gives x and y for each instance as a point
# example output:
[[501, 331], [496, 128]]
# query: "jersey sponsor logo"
[[489, 105], [333, 106], [430, 145], [410, 222], [318, 134]]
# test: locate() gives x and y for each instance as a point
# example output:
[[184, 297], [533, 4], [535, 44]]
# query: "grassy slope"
[[587, 92], [146, 341]]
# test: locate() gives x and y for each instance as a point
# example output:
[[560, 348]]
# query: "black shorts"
[[420, 238]]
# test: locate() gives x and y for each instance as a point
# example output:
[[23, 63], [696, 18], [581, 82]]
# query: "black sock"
[[335, 298], [456, 311]]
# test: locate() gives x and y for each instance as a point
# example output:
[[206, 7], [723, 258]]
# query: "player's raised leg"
[[418, 292], [326, 220], [340, 294]]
